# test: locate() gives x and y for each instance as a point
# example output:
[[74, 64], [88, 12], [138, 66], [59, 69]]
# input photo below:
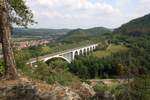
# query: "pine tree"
[[12, 12]]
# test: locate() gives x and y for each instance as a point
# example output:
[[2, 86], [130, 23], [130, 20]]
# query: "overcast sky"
[[86, 13]]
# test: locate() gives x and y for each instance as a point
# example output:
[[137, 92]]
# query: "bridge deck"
[[58, 53]]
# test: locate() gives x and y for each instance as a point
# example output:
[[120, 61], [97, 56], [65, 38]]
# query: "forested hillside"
[[81, 34], [135, 27]]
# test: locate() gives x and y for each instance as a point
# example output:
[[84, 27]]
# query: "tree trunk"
[[10, 66]]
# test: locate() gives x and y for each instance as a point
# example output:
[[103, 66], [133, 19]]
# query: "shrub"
[[2, 69], [100, 88], [54, 72]]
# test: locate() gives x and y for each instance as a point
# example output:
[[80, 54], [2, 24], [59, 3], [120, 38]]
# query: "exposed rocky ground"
[[25, 89]]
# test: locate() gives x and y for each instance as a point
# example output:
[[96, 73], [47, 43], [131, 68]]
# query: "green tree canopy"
[[12, 12], [19, 13]]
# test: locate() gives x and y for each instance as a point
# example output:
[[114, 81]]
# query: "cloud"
[[143, 7], [85, 13], [75, 7]]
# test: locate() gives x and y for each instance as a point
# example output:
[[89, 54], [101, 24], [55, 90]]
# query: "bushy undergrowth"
[[55, 72], [100, 88], [2, 69]]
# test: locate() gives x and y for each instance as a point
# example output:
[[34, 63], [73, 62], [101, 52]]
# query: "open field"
[[110, 50], [117, 48]]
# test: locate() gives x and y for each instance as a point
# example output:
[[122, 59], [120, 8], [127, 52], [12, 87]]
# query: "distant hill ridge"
[[62, 34], [38, 32], [85, 33], [135, 27]]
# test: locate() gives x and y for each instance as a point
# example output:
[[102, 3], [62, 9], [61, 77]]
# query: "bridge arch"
[[76, 54], [91, 49], [88, 50], [84, 51], [80, 52], [58, 57]]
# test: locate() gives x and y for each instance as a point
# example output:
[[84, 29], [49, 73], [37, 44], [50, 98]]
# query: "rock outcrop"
[[25, 89]]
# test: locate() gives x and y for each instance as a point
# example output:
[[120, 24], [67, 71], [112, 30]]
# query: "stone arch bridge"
[[68, 55]]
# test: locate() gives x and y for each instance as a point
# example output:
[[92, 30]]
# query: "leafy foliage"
[[98, 64], [19, 13], [2, 70], [100, 88], [57, 71]]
